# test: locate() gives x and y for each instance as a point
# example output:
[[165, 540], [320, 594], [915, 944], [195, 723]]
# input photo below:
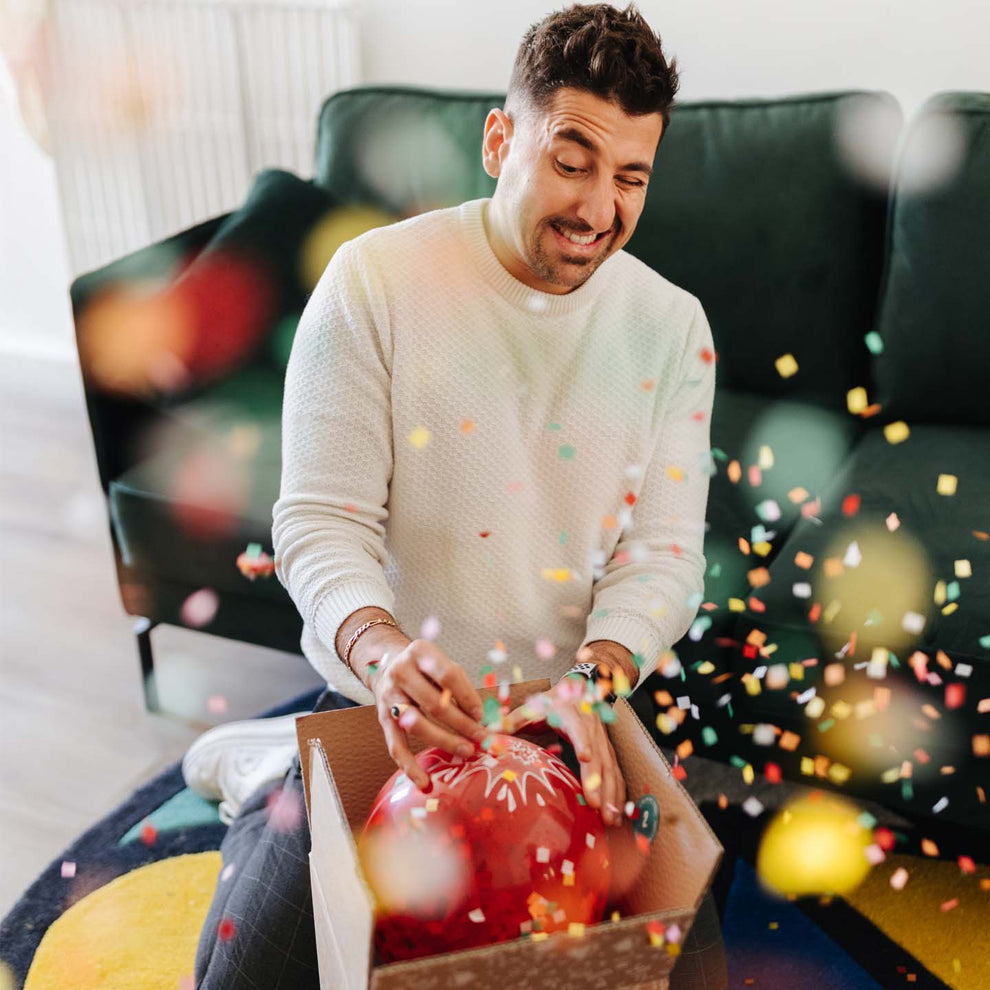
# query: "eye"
[[569, 169], [633, 182]]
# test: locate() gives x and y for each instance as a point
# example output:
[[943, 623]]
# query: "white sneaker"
[[229, 762]]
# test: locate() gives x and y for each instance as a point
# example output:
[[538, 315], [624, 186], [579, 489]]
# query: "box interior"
[[345, 763]]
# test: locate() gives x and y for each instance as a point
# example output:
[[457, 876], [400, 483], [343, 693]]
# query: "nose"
[[597, 207]]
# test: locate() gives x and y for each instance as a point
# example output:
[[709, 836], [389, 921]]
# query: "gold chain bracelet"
[[354, 636]]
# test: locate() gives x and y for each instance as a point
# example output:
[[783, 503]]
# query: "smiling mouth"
[[580, 248]]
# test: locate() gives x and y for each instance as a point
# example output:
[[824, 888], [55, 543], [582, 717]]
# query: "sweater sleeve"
[[328, 523], [653, 584]]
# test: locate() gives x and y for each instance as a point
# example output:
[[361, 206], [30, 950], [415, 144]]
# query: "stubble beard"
[[550, 268]]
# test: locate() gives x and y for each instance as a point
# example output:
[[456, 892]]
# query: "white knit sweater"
[[528, 471]]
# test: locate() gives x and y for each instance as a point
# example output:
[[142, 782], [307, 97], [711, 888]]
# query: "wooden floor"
[[74, 737]]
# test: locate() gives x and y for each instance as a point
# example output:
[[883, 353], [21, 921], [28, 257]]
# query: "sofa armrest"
[[119, 422]]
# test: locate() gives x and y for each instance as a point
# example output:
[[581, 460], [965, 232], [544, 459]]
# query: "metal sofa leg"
[[142, 629]]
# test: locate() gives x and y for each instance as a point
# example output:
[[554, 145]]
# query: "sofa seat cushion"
[[205, 488], [808, 444], [891, 569], [787, 453]]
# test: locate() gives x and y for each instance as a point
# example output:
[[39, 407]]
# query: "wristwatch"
[[589, 669]]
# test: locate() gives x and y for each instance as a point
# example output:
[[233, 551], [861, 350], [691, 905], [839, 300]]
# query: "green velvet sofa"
[[822, 519]]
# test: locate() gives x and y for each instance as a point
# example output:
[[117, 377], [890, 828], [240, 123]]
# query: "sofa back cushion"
[[751, 208], [935, 314]]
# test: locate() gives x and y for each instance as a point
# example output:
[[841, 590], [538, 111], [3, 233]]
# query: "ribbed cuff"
[[636, 635], [336, 606]]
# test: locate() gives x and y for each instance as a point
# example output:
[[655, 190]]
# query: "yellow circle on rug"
[[138, 932]]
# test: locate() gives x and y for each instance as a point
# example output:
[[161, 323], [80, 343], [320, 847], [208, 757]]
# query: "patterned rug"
[[123, 906]]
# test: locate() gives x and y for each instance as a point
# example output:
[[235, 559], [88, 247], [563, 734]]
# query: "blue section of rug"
[[107, 850], [770, 942]]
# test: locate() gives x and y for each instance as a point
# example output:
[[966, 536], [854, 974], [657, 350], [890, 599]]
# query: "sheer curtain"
[[157, 113]]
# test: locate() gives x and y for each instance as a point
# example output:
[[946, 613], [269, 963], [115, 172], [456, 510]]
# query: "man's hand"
[[568, 710], [440, 706]]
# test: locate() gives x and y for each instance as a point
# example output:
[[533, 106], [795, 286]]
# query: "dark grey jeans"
[[259, 932]]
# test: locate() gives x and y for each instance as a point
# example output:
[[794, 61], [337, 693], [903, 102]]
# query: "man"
[[527, 407]]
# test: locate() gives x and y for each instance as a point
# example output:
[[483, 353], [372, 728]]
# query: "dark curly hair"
[[611, 53]]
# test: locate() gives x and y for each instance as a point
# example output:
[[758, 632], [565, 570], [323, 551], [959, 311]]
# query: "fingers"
[[416, 722], [613, 789], [531, 712], [435, 664], [601, 779], [400, 752], [453, 726]]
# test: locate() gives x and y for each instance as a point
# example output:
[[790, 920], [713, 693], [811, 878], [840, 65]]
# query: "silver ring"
[[396, 710]]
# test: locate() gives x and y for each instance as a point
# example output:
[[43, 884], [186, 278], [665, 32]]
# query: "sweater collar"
[[531, 301]]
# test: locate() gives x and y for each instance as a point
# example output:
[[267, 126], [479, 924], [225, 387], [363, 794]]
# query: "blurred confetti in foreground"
[[815, 845], [330, 232], [417, 871], [933, 155], [872, 581], [865, 130], [161, 336], [412, 163], [284, 809], [200, 608]]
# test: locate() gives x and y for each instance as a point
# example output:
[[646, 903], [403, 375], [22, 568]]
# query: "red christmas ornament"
[[501, 847]]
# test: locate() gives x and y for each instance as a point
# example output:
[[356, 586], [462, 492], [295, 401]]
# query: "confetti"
[[786, 365], [874, 854], [226, 929], [896, 432], [946, 484], [419, 437], [899, 878], [850, 505], [68, 868], [252, 563], [200, 608], [856, 400], [874, 342]]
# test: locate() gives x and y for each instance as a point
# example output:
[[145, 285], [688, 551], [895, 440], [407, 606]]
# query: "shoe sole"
[[265, 731]]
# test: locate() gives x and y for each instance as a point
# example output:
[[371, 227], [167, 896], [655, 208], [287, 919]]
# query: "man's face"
[[550, 180]]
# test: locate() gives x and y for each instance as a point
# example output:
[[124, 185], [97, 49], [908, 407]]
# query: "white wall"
[[35, 316], [724, 48]]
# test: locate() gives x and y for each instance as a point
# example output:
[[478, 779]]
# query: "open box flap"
[[684, 837], [334, 868]]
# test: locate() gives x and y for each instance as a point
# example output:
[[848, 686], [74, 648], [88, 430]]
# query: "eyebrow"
[[579, 137]]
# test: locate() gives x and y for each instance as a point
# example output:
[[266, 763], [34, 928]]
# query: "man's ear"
[[496, 142]]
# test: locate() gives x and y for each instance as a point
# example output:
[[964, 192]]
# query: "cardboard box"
[[345, 763]]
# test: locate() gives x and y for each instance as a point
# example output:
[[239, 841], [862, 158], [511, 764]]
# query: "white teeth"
[[574, 237]]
